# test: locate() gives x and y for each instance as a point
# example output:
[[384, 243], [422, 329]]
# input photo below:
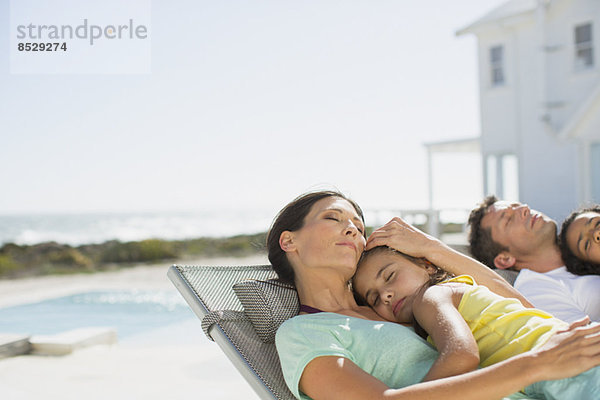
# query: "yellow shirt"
[[501, 326]]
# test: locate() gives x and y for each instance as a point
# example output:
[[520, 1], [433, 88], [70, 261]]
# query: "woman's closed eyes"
[[337, 219]]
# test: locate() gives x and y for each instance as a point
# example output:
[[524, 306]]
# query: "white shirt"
[[565, 295]]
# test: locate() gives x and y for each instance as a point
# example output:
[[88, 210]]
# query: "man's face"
[[519, 228]]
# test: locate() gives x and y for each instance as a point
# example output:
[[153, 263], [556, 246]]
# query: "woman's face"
[[583, 236], [332, 236]]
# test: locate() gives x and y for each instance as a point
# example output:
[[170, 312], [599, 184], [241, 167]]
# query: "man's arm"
[[435, 311]]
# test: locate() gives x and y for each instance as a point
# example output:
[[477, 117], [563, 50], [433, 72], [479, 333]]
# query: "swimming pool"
[[129, 312]]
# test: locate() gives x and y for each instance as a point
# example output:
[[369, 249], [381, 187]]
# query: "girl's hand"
[[572, 351], [403, 237]]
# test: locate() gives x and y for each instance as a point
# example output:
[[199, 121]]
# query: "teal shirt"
[[390, 352]]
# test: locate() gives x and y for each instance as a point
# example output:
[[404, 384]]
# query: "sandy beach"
[[174, 362]]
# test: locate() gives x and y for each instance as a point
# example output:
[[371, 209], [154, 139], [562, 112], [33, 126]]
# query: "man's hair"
[[576, 265], [481, 244]]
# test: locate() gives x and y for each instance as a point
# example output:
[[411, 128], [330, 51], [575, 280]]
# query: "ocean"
[[77, 229]]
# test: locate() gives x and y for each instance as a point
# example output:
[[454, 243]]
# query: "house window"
[[595, 171], [497, 65], [510, 177], [584, 47], [491, 174], [502, 176]]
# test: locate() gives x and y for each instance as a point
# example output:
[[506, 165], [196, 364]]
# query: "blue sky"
[[250, 103]]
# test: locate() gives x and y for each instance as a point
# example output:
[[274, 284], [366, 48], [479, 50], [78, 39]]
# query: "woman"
[[579, 241], [339, 350]]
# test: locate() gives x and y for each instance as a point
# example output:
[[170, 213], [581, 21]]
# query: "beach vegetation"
[[17, 261], [69, 257], [7, 264], [142, 251], [236, 246]]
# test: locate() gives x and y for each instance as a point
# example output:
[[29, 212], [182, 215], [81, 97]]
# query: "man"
[[508, 235]]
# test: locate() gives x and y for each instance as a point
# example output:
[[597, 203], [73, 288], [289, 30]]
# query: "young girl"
[[468, 324], [579, 241]]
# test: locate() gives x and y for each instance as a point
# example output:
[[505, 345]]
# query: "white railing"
[[431, 219]]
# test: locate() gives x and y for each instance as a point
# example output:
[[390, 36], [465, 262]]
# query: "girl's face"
[[332, 237], [583, 236], [389, 283]]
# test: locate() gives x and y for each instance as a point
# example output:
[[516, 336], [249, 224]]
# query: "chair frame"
[[218, 334]]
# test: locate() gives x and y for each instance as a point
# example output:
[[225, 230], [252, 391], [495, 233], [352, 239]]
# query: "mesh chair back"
[[209, 292], [508, 275]]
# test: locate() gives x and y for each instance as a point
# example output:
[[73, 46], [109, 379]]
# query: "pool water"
[[129, 312]]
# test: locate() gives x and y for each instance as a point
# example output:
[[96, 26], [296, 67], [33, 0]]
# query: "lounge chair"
[[241, 308]]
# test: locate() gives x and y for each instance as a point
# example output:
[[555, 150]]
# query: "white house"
[[539, 78]]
